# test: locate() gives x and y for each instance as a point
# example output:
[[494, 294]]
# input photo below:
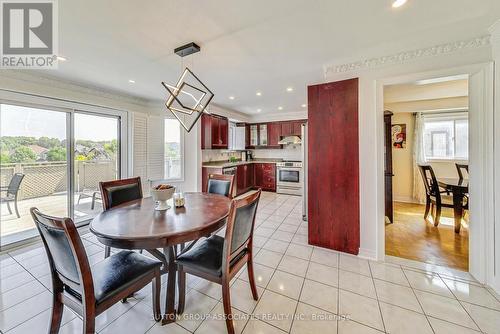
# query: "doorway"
[[427, 159]]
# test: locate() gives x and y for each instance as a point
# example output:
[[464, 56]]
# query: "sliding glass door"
[[53, 159], [33, 167], [96, 158]]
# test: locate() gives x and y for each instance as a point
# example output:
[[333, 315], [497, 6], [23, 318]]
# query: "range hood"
[[290, 140]]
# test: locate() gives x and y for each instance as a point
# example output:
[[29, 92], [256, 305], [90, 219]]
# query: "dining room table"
[[459, 188], [137, 225]]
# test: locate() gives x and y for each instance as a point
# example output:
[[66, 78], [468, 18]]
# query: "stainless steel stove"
[[290, 178]]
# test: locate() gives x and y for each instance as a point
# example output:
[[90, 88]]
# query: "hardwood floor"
[[413, 238]]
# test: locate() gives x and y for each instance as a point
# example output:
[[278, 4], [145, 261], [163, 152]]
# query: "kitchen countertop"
[[226, 164]]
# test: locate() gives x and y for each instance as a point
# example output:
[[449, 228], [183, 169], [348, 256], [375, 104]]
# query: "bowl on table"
[[161, 194]]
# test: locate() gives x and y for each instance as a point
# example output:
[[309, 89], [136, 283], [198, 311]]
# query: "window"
[[173, 150], [446, 137]]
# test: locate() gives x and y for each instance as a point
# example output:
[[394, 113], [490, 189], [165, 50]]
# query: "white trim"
[[479, 182], [407, 56], [405, 199], [368, 254]]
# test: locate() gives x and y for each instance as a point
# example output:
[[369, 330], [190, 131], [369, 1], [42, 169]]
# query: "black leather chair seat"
[[118, 272], [206, 256]]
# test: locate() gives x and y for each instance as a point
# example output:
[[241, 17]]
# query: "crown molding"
[[407, 56], [72, 86]]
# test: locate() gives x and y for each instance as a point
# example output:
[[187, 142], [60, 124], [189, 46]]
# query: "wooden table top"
[[454, 182], [136, 225]]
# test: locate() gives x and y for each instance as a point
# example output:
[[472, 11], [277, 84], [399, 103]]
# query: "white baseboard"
[[368, 254], [405, 199]]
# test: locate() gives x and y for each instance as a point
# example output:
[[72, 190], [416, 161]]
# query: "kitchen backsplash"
[[290, 152]]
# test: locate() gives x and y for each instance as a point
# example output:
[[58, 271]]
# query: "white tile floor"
[[302, 289]]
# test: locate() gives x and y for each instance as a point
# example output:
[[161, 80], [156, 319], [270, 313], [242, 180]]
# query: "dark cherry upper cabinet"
[[297, 128], [286, 129], [333, 166], [273, 134], [214, 132]]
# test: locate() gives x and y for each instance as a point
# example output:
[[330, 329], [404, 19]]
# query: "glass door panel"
[[96, 158], [33, 168]]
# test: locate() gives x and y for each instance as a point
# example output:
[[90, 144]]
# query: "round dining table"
[[137, 225]]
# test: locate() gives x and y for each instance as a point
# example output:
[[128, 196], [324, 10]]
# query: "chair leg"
[[89, 322], [226, 301], [17, 210], [181, 281], [251, 278], [8, 208], [438, 214], [427, 207], [57, 312], [107, 252], [156, 296]]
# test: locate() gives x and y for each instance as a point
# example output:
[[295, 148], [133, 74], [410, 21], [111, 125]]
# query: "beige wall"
[[402, 159]]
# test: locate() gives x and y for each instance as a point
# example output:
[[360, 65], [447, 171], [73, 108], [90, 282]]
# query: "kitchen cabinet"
[[244, 178], [273, 134], [333, 169], [297, 128], [263, 134], [265, 176], [214, 132], [286, 129], [254, 135]]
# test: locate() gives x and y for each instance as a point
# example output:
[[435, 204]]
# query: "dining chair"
[[462, 169], [117, 192], [435, 197], [221, 184], [12, 191], [218, 259], [90, 291]]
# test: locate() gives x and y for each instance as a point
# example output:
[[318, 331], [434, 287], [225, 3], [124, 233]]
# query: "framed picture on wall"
[[399, 135]]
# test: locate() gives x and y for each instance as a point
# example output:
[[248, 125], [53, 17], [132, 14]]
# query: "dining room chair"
[[462, 170], [220, 184], [11, 192], [436, 198], [117, 192], [218, 259], [90, 291]]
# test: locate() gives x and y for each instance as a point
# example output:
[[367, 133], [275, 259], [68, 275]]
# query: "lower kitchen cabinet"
[[244, 178], [265, 176]]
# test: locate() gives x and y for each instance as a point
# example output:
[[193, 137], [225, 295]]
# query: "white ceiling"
[[248, 46]]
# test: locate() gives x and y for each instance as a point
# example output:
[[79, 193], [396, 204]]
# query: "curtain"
[[418, 158]]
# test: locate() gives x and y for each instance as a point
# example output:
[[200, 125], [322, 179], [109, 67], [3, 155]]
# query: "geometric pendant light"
[[188, 99]]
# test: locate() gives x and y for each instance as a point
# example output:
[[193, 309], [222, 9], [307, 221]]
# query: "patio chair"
[[12, 191]]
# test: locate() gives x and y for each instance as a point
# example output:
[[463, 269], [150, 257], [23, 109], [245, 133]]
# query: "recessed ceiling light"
[[131, 81], [304, 105], [398, 3], [259, 110], [258, 93], [61, 58], [289, 89], [231, 97], [280, 108]]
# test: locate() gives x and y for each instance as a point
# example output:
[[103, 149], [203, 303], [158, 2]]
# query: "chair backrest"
[[221, 184], [461, 168], [240, 225], [67, 257], [15, 184], [116, 192], [430, 181]]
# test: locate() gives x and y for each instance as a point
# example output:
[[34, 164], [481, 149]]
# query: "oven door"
[[290, 176]]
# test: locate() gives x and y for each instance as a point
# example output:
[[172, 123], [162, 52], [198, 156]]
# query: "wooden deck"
[[55, 205]]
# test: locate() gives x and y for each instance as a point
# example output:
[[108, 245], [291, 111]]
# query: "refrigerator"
[[304, 170]]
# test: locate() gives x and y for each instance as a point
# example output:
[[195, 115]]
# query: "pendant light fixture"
[[188, 99]]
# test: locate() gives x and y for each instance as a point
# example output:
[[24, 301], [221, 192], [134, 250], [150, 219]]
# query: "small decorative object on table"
[[161, 194], [179, 200]]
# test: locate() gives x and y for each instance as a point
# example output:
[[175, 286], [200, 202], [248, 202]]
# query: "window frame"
[[182, 152], [446, 116]]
